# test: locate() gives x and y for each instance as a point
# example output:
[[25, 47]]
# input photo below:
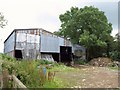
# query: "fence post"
[[51, 75], [14, 84]]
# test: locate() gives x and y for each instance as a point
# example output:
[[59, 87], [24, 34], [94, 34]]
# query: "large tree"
[[86, 26], [3, 21], [115, 48]]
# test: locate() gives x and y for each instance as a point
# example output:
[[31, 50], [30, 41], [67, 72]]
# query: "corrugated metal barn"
[[38, 43]]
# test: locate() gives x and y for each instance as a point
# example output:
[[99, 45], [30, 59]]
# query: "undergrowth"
[[30, 72]]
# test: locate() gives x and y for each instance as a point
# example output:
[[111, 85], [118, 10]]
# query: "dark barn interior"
[[18, 54], [55, 56], [65, 54]]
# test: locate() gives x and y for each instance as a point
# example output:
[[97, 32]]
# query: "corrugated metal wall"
[[28, 43], [52, 43], [11, 53], [9, 44], [49, 43]]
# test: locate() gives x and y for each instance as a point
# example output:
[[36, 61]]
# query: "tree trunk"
[[88, 54], [108, 50]]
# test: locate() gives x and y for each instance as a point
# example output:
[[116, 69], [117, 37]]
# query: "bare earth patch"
[[90, 77]]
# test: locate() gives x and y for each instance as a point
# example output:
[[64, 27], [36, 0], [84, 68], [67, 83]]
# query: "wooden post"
[[13, 84], [51, 76], [18, 83]]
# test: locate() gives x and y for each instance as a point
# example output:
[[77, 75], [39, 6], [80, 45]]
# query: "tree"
[[115, 52], [86, 26], [3, 22]]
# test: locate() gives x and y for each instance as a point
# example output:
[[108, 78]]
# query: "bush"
[[115, 55], [82, 62], [10, 66], [30, 75], [44, 62], [6, 57], [28, 72]]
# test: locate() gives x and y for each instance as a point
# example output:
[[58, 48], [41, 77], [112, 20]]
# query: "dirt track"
[[91, 77]]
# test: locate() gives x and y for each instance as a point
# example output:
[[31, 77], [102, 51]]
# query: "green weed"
[[56, 83], [28, 73]]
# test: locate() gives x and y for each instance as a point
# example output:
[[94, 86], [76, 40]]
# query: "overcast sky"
[[45, 14]]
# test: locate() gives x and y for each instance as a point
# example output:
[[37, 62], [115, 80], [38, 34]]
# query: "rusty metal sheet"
[[28, 44], [23, 37]]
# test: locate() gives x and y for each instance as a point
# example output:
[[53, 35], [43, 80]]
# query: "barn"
[[37, 43]]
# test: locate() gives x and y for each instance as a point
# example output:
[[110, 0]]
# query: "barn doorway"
[[18, 54], [65, 54], [55, 56]]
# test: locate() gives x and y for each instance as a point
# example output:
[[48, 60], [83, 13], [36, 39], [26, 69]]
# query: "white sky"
[[45, 14]]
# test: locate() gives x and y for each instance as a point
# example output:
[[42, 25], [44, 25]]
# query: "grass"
[[62, 68], [115, 68], [56, 83]]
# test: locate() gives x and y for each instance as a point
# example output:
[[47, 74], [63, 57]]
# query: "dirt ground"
[[90, 77]]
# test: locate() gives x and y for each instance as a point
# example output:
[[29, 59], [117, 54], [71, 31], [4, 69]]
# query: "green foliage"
[[88, 21], [62, 68], [115, 55], [114, 68], [43, 62], [58, 33], [56, 83], [115, 48], [10, 66], [81, 62], [87, 26], [28, 72], [3, 22], [6, 57]]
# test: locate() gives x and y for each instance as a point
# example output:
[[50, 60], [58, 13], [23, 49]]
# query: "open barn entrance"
[[55, 56], [65, 54], [18, 54], [50, 56]]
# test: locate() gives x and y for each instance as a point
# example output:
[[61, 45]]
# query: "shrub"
[[82, 62], [6, 57], [44, 62], [10, 66], [29, 73], [115, 55]]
